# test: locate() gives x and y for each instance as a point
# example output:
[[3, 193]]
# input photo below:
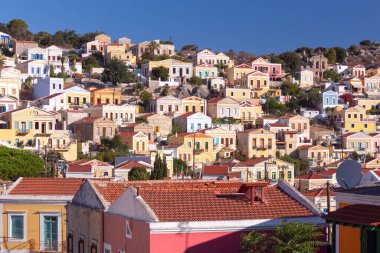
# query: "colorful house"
[[5, 39], [237, 72], [205, 71], [94, 128], [192, 122], [223, 108], [356, 220], [194, 104], [105, 96], [77, 97], [257, 81], [33, 214], [137, 142], [158, 212], [357, 120], [179, 71], [318, 155], [86, 168], [120, 114], [273, 69], [253, 143]]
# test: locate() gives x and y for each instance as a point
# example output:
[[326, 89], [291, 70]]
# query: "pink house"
[[177, 216], [264, 66]]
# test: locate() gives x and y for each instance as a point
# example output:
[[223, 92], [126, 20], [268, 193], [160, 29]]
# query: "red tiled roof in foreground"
[[367, 215], [47, 186], [218, 201], [110, 190]]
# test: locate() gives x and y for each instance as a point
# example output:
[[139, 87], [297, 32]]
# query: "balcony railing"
[[22, 131], [262, 147]]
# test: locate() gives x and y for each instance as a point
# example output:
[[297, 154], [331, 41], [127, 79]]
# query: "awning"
[[362, 215], [2, 122]]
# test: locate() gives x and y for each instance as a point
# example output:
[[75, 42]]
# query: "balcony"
[[22, 131], [262, 147], [198, 151]]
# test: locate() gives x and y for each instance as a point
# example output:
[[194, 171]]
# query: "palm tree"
[[153, 46], [289, 237], [63, 60], [2, 62]]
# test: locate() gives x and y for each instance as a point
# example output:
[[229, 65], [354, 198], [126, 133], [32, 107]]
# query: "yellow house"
[[250, 112], [118, 51], [237, 72], [205, 71], [137, 142], [256, 81], [105, 96], [360, 142], [271, 169], [237, 93], [318, 155], [77, 96], [253, 143], [368, 104], [33, 214], [356, 120], [203, 149], [194, 104], [34, 129], [222, 58], [372, 83], [177, 69], [222, 138]]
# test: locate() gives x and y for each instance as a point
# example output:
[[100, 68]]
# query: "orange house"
[[137, 142], [105, 96], [356, 222]]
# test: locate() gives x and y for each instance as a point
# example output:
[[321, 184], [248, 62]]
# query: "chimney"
[[256, 192], [137, 191]]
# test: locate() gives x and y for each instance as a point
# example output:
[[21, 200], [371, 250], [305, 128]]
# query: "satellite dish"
[[349, 174]]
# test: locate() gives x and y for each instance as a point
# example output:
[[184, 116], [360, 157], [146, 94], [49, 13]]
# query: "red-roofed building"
[[89, 169], [33, 215], [137, 142], [122, 169], [158, 212], [310, 181], [215, 172], [93, 128]]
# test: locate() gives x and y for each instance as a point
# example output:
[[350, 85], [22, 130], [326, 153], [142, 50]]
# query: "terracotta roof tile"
[[367, 215], [215, 170], [47, 186]]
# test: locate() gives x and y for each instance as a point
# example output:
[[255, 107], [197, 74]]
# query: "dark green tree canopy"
[[15, 163], [160, 73], [117, 72], [138, 174]]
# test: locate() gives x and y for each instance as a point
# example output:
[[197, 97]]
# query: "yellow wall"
[[106, 96], [200, 105], [349, 237], [32, 222], [80, 96]]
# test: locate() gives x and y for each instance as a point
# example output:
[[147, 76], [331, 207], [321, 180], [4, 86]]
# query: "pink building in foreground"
[[177, 216], [273, 69]]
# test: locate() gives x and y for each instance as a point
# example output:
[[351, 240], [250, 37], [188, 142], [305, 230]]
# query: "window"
[[290, 145], [258, 175], [289, 174], [16, 125], [187, 71], [107, 248], [84, 100], [50, 231], [81, 246], [30, 125], [70, 248], [174, 69], [353, 125], [128, 231], [94, 248], [69, 99], [36, 125], [53, 86], [365, 125], [274, 175], [17, 226]]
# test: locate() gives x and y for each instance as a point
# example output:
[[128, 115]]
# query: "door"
[[50, 233], [43, 128], [359, 145], [23, 127]]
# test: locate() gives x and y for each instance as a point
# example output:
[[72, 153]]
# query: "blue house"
[[329, 99], [193, 122], [5, 39]]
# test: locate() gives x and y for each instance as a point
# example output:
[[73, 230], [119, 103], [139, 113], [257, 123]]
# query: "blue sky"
[[259, 27]]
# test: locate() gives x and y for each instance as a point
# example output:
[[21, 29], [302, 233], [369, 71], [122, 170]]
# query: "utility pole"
[[45, 160]]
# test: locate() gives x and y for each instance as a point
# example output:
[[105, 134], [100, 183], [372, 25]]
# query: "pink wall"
[[115, 234]]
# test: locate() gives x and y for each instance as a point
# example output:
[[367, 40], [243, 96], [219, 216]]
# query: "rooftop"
[[46, 186]]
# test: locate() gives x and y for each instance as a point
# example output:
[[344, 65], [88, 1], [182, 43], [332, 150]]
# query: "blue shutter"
[[16, 124]]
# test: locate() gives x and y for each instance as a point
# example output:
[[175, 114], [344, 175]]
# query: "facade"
[[330, 99], [54, 57], [193, 122], [237, 72], [237, 93], [318, 156], [256, 81], [306, 78], [357, 120], [162, 125], [222, 138], [122, 169], [250, 112], [8, 103], [140, 127], [194, 104], [105, 96], [34, 68], [162, 49], [274, 70], [77, 97], [179, 71], [318, 64], [168, 105], [10, 82], [120, 114], [224, 59], [132, 216], [205, 56], [137, 142], [256, 143], [47, 86], [21, 45], [223, 108], [119, 51], [5, 39], [93, 128], [88, 169], [205, 71], [34, 214]]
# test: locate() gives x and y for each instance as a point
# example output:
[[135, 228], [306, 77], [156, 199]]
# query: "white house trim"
[[59, 217]]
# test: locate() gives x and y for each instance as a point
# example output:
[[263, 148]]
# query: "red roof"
[[311, 176], [277, 125], [215, 170], [77, 168], [47, 186], [251, 162], [212, 201], [367, 215], [243, 66], [89, 119], [110, 191], [304, 147], [131, 164], [215, 100], [127, 134], [328, 172]]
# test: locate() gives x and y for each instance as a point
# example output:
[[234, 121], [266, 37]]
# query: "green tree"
[[153, 47], [289, 237], [341, 54], [138, 174], [292, 62], [366, 43], [90, 62], [195, 80], [297, 237], [254, 242], [18, 29], [176, 128], [15, 163], [274, 107], [331, 56], [146, 96], [289, 88], [2, 63], [44, 39], [117, 72], [160, 73], [180, 167], [293, 105], [331, 74], [165, 90], [159, 168], [311, 99]]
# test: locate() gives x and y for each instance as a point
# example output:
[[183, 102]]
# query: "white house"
[[37, 68], [10, 82], [370, 177], [8, 103], [47, 86], [54, 57], [53, 102], [193, 122], [306, 78], [330, 99]]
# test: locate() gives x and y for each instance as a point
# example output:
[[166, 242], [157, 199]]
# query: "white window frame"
[[18, 213], [42, 216], [107, 246], [128, 235]]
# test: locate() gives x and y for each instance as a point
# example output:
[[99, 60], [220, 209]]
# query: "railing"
[[262, 147], [22, 131]]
